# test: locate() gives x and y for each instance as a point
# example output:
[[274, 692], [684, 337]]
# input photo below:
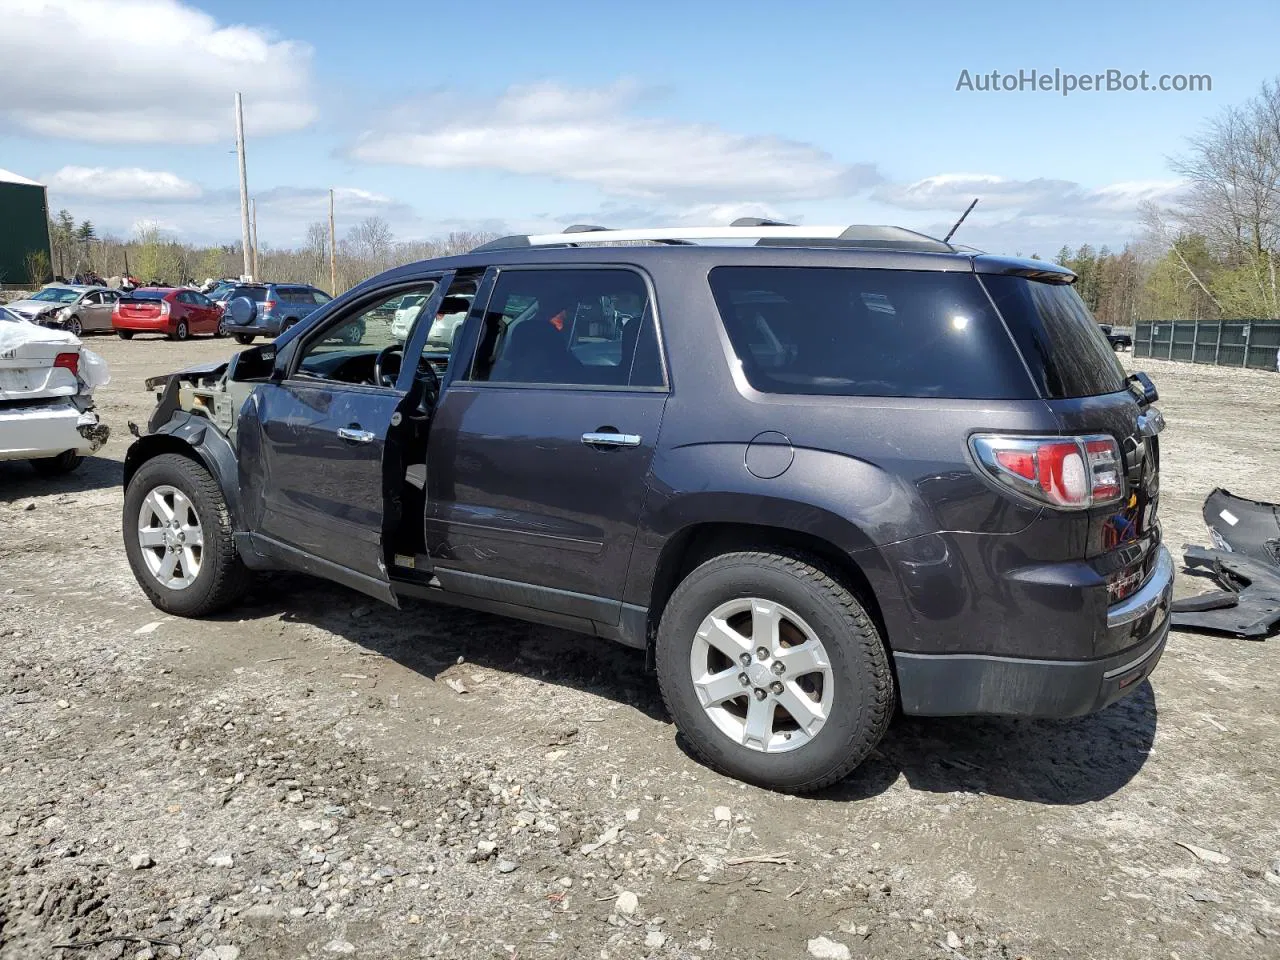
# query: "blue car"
[[276, 307]]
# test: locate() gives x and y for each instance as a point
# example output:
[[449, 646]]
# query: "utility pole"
[[253, 204], [333, 251], [244, 189]]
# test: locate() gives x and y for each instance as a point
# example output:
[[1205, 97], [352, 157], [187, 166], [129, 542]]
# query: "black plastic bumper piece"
[[1249, 604], [949, 685]]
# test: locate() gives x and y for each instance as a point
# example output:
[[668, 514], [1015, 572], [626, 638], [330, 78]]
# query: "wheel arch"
[[699, 542], [196, 438]]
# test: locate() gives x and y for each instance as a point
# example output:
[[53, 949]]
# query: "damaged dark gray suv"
[[816, 473]]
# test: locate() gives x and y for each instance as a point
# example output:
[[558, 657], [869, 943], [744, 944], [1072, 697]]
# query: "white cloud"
[[121, 183], [130, 71], [593, 136], [1039, 197]]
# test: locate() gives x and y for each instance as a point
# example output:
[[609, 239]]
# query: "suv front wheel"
[[773, 671], [178, 538]]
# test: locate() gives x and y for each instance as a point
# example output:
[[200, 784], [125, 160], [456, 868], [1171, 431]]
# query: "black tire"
[[125, 334], [289, 322], [863, 698], [74, 326], [223, 578], [181, 332], [64, 462], [244, 339]]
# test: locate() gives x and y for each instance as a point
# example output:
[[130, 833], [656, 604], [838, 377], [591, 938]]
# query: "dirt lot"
[[305, 777]]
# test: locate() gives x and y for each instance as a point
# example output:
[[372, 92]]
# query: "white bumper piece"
[[47, 430]]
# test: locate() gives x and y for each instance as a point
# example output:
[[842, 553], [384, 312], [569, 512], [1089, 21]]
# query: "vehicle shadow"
[[1052, 762], [19, 481], [428, 638], [1037, 761]]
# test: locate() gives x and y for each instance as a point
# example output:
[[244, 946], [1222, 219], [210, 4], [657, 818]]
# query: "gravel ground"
[[314, 775]]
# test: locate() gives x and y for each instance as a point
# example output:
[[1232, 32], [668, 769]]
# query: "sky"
[[519, 117]]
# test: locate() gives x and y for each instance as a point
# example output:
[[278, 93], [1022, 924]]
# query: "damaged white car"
[[47, 381]]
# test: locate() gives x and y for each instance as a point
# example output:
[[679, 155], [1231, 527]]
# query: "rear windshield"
[[144, 295], [856, 332], [1067, 352], [256, 294]]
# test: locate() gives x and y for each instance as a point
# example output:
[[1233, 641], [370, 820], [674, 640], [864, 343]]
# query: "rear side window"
[[1067, 352], [299, 295], [842, 331]]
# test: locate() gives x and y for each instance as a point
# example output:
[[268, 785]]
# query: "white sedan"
[[47, 381]]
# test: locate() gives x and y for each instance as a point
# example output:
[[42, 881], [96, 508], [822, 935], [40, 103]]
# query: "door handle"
[[356, 435], [611, 439]]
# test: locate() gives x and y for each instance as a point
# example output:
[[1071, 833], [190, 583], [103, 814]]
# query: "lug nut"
[[776, 686], [779, 667], [760, 694], [762, 653], [745, 659], [744, 680]]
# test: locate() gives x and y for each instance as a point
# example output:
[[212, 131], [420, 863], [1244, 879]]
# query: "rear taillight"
[[164, 308], [68, 361], [1071, 473]]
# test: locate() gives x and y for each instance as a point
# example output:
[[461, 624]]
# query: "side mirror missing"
[[256, 363], [1142, 387]]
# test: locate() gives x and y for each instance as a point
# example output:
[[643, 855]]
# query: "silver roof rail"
[[745, 229]]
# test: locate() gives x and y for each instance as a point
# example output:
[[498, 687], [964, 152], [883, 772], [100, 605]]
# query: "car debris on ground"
[[1244, 562]]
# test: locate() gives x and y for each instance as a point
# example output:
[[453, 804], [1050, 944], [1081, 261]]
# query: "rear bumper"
[[139, 325], [253, 329], [963, 684], [30, 433]]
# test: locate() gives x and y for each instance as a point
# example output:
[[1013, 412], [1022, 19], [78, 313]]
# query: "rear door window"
[[570, 327], [1067, 352], [843, 331]]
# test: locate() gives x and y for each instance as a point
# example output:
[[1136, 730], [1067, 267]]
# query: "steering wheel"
[[381, 379]]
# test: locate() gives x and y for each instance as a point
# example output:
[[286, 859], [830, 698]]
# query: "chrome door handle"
[[611, 439], [356, 435]]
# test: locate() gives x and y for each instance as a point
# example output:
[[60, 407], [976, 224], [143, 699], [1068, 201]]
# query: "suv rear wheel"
[[773, 671], [178, 537], [244, 339]]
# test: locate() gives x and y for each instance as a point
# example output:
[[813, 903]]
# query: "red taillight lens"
[[268, 305], [68, 361], [1067, 472], [164, 308]]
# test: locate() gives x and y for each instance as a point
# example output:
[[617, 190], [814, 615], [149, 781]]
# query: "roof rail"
[[764, 233]]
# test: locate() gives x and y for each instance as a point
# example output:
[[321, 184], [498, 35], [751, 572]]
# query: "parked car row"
[[266, 309]]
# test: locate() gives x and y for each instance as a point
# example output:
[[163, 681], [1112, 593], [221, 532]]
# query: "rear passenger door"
[[539, 452]]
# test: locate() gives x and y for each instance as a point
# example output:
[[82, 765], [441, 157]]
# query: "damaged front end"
[[201, 391], [1245, 563]]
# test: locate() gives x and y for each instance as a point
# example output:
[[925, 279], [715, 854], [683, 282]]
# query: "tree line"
[[366, 249]]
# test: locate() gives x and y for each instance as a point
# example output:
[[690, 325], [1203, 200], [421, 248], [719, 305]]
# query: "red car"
[[178, 314]]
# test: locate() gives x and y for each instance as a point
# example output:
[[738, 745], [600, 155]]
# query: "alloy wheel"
[[762, 675], [171, 537]]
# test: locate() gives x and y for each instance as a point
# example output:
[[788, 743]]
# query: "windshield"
[[219, 290], [10, 317], [57, 295]]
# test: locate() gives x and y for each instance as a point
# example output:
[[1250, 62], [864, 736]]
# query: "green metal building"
[[24, 228]]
